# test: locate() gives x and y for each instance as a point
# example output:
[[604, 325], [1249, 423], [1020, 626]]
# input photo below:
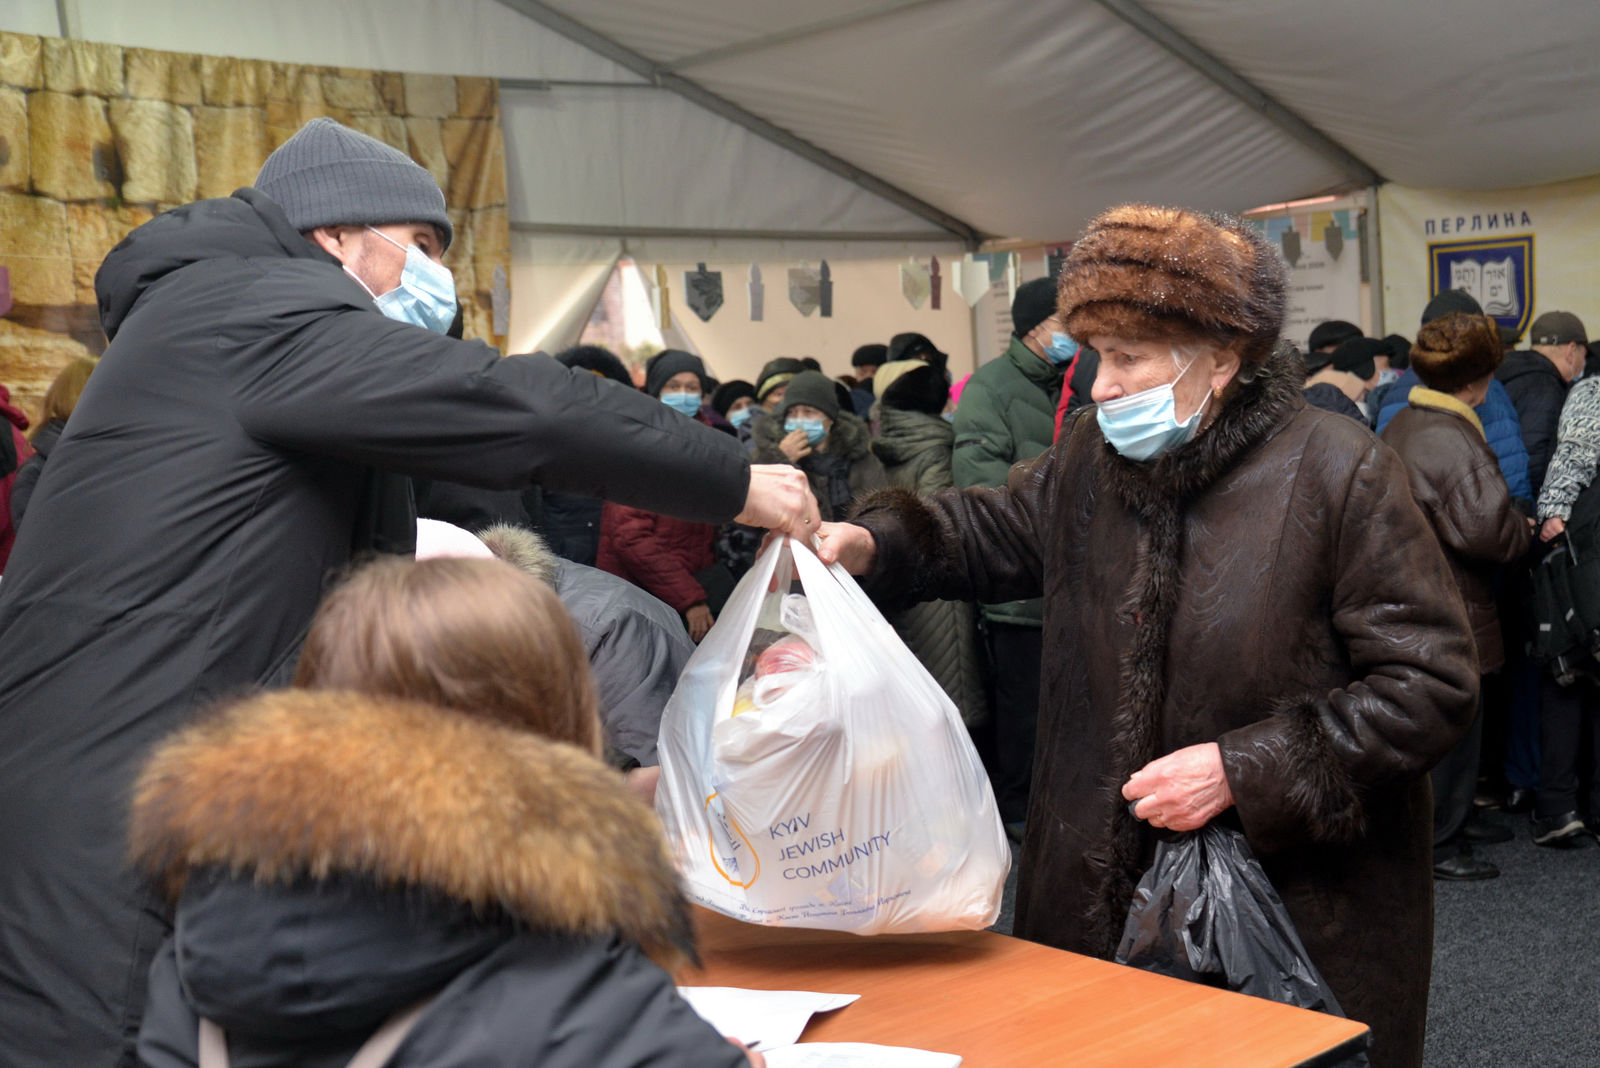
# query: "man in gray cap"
[[1537, 379], [247, 433]]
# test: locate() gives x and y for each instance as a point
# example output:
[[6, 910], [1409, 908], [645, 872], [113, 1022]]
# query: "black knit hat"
[[1399, 352], [1358, 356], [1451, 300], [1034, 303], [873, 355], [730, 393], [813, 388], [661, 367], [915, 347], [596, 360], [331, 175], [1332, 332], [922, 389], [776, 373]]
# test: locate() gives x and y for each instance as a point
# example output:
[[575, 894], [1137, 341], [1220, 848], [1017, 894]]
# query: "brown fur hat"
[[1456, 350], [310, 784], [1143, 272]]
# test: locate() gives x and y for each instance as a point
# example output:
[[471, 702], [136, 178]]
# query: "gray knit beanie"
[[330, 175]]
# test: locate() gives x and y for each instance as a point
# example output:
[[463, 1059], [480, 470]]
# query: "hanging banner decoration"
[[825, 290], [805, 289], [1013, 276], [1323, 251], [935, 285], [702, 291], [1496, 272], [969, 277], [1053, 258], [663, 299], [758, 294], [915, 283]]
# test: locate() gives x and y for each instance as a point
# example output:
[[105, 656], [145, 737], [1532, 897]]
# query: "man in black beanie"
[[1006, 415], [915, 347], [277, 366], [1327, 336], [864, 363]]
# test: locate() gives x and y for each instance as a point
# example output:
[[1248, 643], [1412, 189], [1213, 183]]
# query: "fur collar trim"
[[522, 547], [1423, 397], [299, 784], [1158, 494]]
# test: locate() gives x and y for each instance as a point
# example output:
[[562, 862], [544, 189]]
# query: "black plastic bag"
[[1206, 912]]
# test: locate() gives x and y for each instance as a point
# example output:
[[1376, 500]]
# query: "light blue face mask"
[[813, 428], [741, 417], [687, 403], [426, 295], [1144, 425], [1061, 348]]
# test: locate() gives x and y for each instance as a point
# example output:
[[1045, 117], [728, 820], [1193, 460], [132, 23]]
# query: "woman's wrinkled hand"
[[699, 619], [1182, 791], [1553, 528], [642, 783], [795, 445], [848, 545]]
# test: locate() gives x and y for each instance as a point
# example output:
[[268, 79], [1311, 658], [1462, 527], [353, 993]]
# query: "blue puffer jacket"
[[1500, 425]]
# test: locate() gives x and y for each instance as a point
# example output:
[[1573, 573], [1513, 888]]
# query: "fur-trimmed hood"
[[522, 547], [300, 785]]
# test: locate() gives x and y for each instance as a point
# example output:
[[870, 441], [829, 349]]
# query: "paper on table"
[[856, 1055], [766, 1018]]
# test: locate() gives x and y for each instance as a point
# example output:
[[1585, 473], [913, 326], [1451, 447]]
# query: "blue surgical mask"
[[741, 417], [687, 403], [1144, 425], [813, 428], [1061, 348], [948, 417], [426, 295]]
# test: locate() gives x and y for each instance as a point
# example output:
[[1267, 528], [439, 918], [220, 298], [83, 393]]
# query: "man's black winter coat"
[[1537, 391], [211, 480]]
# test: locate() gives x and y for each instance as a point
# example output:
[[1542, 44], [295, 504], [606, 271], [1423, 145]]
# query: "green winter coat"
[[915, 450], [1007, 414]]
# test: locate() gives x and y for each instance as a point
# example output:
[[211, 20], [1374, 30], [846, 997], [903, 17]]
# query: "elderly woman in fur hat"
[[1247, 618]]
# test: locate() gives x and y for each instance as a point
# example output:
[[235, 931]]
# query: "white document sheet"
[[760, 1018], [856, 1055]]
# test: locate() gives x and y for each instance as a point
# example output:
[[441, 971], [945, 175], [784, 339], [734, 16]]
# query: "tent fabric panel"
[[1481, 96], [480, 38], [653, 159], [1092, 111]]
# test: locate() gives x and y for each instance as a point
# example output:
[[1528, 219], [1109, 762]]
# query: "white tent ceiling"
[[1017, 118]]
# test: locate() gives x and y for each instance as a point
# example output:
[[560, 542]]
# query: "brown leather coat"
[[1457, 483], [1271, 587]]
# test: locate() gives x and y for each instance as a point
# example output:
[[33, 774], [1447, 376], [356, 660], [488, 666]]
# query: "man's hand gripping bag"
[[813, 774]]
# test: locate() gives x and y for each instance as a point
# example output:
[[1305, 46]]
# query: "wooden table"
[[1003, 1003]]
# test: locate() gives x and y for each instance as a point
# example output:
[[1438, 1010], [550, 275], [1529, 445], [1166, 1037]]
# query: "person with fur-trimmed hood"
[[1246, 617], [417, 837], [832, 446]]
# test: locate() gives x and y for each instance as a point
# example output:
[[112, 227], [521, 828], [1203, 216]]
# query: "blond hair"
[[63, 394], [477, 636]]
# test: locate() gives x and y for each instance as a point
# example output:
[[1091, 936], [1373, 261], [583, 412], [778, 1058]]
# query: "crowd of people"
[[327, 633]]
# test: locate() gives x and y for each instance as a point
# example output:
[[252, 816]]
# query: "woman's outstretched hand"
[[848, 545]]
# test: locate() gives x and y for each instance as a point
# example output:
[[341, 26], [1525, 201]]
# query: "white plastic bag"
[[844, 794]]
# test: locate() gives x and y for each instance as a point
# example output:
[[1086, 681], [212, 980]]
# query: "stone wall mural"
[[97, 139]]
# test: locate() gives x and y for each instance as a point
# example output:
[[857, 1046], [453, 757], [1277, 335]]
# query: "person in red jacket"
[[673, 559], [14, 449]]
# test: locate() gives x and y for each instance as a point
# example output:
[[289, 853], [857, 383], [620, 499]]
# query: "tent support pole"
[[1225, 76], [654, 72], [642, 233]]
